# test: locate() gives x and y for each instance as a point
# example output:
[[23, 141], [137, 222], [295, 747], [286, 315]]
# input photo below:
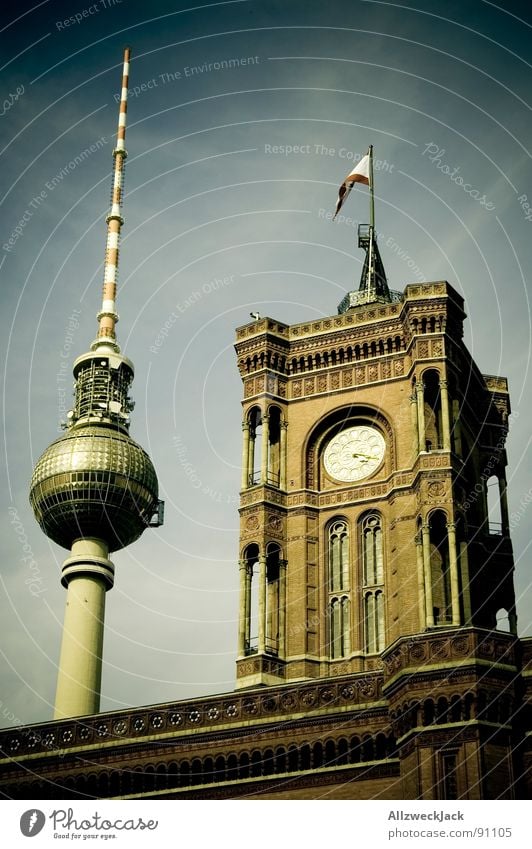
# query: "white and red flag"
[[359, 174]]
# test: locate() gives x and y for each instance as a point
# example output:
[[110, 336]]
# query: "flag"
[[359, 174]]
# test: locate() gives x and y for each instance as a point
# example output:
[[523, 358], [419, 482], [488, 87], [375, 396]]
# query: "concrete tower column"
[[420, 395], [453, 569], [87, 574], [429, 609], [245, 455], [446, 422]]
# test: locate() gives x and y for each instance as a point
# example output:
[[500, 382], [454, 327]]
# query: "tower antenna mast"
[[108, 317]]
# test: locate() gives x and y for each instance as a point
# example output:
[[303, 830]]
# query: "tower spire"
[[108, 317], [373, 284]]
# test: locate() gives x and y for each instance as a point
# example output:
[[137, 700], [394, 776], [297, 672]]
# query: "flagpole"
[[371, 256], [371, 194]]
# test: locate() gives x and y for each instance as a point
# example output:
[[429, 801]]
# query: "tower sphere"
[[94, 481]]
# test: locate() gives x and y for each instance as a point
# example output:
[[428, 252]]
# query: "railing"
[[253, 647], [356, 299], [443, 619], [255, 478]]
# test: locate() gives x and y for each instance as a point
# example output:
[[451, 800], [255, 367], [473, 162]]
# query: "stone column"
[[245, 455], [427, 568], [265, 447], [420, 395], [262, 604], [247, 617], [453, 569], [512, 621], [466, 593], [87, 574], [420, 583], [282, 608], [242, 612], [446, 422], [283, 458], [457, 429], [414, 417], [251, 454]]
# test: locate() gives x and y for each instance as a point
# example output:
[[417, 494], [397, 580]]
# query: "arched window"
[[254, 446], [494, 505], [274, 446], [439, 568], [372, 551], [432, 411], [251, 561], [338, 556], [502, 620], [338, 569], [273, 564], [373, 580]]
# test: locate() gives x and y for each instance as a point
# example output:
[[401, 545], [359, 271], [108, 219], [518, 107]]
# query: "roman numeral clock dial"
[[354, 453]]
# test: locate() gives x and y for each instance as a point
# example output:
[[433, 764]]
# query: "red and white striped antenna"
[[108, 317]]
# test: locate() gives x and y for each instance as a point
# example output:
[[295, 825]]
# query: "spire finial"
[[108, 317]]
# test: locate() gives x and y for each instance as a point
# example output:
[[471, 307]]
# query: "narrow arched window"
[[372, 551], [373, 583], [338, 556], [338, 579]]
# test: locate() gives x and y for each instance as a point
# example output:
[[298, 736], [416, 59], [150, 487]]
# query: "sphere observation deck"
[[94, 481]]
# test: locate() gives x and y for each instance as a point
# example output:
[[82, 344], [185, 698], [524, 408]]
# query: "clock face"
[[354, 453]]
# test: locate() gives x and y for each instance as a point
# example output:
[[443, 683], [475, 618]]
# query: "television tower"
[[94, 490]]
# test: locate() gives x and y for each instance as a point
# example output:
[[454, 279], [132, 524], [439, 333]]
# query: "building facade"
[[378, 654]]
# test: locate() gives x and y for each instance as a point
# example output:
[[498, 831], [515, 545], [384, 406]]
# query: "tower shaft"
[[88, 574]]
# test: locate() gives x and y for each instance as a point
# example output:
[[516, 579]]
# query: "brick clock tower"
[[371, 441], [374, 523]]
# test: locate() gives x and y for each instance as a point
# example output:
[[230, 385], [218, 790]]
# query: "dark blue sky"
[[244, 119]]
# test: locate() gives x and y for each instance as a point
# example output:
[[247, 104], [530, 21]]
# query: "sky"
[[243, 119]]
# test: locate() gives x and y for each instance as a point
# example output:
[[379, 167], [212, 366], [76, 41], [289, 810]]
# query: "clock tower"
[[373, 493]]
